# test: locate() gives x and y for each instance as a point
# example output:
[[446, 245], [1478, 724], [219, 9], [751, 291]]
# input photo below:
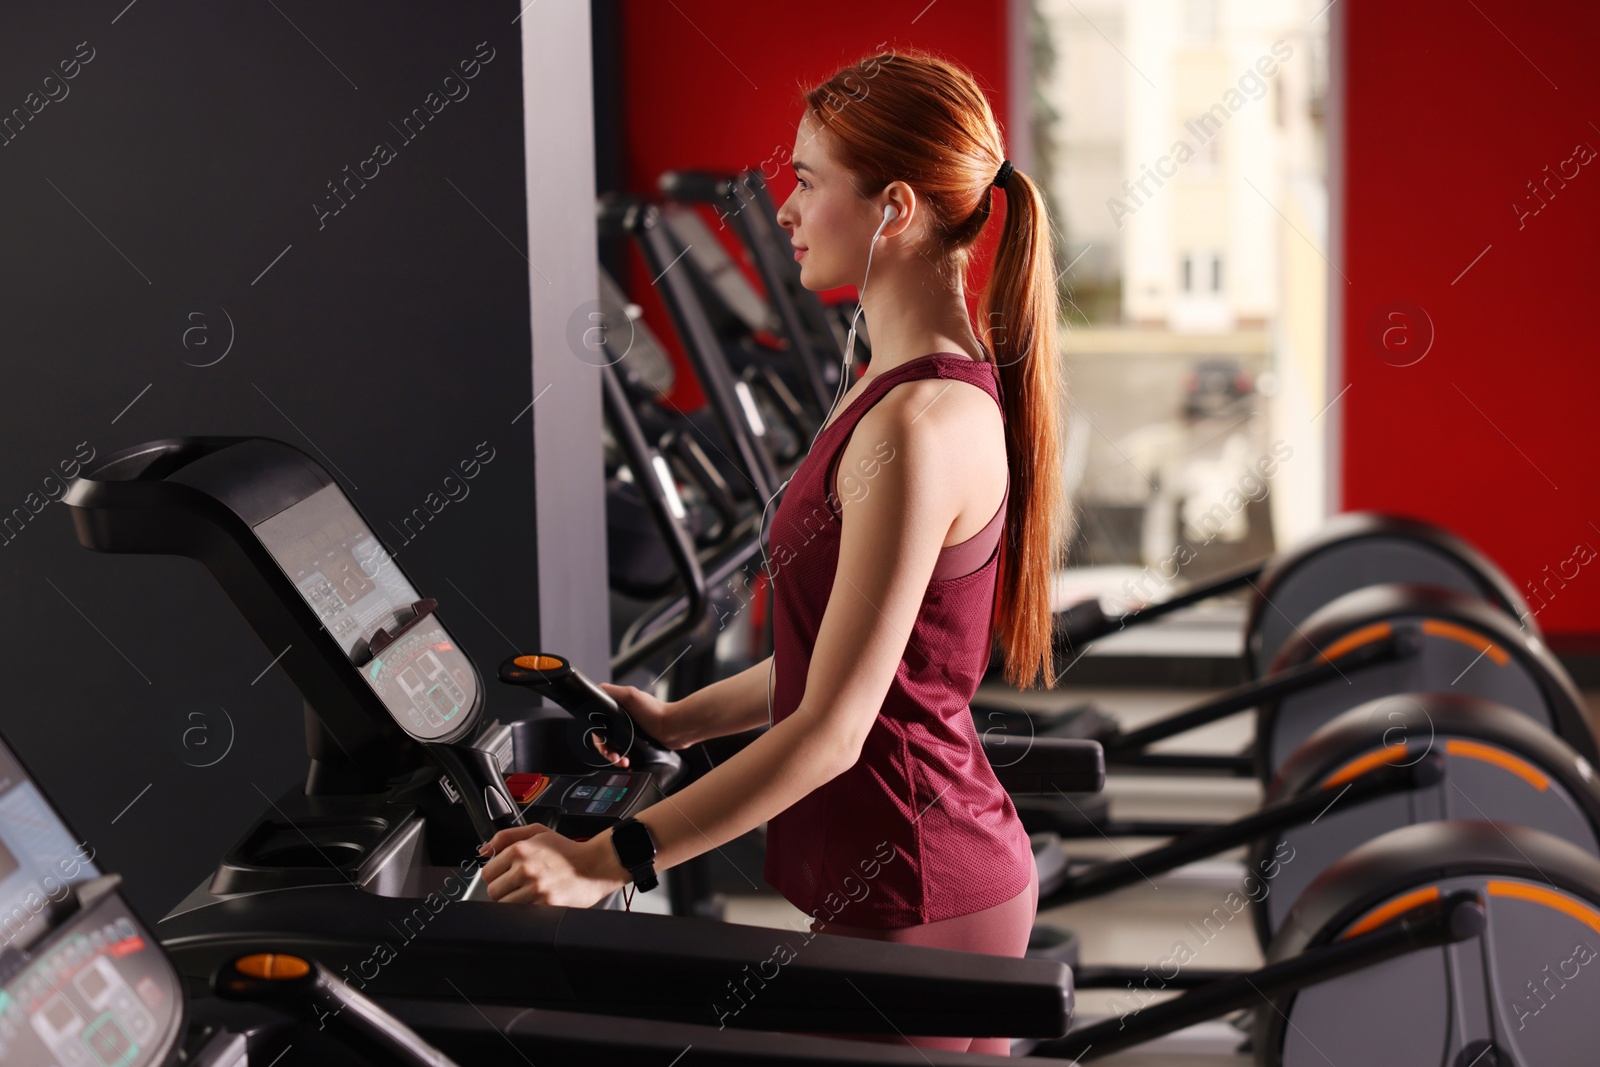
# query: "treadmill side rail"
[[617, 963]]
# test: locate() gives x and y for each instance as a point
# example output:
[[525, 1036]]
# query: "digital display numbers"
[[425, 681]]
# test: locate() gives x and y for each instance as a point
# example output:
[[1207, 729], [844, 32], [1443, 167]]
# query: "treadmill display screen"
[[98, 992], [39, 857], [341, 570], [94, 991], [425, 681]]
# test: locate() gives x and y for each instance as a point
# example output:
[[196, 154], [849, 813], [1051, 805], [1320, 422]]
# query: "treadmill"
[[371, 866], [83, 983]]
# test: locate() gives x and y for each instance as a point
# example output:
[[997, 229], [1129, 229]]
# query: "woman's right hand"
[[659, 719]]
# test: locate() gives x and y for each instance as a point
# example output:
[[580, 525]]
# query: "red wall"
[[1492, 433], [716, 84]]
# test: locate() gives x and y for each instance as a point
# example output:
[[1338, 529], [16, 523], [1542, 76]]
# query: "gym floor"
[[1139, 925]]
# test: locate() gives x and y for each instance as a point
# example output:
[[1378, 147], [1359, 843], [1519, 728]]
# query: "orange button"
[[272, 967], [540, 663], [526, 787]]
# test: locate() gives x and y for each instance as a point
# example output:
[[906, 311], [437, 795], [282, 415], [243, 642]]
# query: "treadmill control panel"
[[423, 680], [94, 991], [39, 858], [98, 993], [614, 796], [346, 576]]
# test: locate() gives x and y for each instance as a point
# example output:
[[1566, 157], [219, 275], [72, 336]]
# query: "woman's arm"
[[726, 707], [888, 548], [730, 706]]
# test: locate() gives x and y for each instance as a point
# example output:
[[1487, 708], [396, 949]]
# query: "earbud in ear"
[[890, 213]]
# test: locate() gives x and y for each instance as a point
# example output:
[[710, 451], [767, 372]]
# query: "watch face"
[[633, 843]]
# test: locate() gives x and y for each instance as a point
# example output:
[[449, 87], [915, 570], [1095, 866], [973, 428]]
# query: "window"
[[1167, 441]]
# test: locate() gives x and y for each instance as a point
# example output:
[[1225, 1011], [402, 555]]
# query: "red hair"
[[917, 118]]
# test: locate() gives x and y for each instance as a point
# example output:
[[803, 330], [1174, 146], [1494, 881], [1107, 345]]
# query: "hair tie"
[[1003, 174]]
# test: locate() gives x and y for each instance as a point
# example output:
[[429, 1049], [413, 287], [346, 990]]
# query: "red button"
[[525, 787]]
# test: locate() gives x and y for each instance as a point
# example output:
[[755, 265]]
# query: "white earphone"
[[890, 213]]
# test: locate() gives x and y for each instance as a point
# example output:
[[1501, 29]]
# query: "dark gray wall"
[[167, 208]]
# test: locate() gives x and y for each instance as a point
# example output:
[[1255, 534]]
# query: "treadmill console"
[[427, 684], [82, 982], [96, 993], [544, 798], [424, 681], [39, 858]]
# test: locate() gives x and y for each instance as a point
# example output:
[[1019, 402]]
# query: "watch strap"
[[644, 876], [634, 860]]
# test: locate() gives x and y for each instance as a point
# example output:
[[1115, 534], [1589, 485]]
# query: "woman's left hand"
[[536, 865]]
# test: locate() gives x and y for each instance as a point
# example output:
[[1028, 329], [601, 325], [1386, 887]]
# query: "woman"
[[927, 518]]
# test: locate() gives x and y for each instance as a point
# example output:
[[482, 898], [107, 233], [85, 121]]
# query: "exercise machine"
[[370, 867], [1366, 643], [1494, 764], [1352, 551], [1396, 761], [84, 983], [1445, 942]]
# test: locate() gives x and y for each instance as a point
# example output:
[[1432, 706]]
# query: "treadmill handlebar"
[[592, 709], [1086, 620], [475, 774], [1078, 624], [316, 995]]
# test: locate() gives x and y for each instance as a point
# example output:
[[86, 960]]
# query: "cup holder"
[[336, 856], [328, 844], [278, 853]]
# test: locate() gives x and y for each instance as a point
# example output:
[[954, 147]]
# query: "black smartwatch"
[[636, 850]]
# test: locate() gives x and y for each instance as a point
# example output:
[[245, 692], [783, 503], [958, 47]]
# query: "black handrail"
[[641, 460], [742, 199], [1458, 917], [643, 223]]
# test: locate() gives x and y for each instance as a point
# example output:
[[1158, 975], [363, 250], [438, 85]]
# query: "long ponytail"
[[1019, 315]]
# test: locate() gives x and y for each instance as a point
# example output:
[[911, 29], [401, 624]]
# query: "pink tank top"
[[919, 830]]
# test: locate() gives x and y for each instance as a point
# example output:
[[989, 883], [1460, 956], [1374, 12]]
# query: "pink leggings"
[[1000, 931]]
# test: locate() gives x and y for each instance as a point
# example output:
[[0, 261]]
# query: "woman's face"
[[830, 223]]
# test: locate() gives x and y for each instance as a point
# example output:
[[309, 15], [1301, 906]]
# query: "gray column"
[[1333, 424], [569, 498]]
